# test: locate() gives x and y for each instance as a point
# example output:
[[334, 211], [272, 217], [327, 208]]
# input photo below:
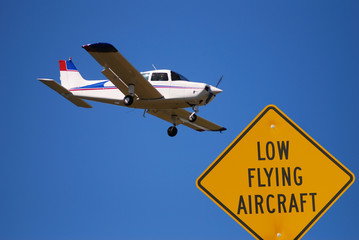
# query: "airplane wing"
[[200, 124], [120, 72]]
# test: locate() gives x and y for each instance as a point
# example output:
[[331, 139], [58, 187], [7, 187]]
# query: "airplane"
[[161, 93]]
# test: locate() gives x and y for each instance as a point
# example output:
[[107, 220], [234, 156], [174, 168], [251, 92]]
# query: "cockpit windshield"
[[177, 77]]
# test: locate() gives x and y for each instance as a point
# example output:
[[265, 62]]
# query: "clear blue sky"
[[109, 173]]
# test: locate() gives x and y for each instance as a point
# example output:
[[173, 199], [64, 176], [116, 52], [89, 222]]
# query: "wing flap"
[[109, 58], [181, 115], [64, 92]]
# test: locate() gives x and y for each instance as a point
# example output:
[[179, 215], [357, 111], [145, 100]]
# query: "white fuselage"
[[177, 93]]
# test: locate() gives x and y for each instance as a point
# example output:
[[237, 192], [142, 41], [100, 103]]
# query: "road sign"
[[274, 179]]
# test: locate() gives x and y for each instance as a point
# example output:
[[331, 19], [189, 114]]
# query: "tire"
[[172, 131], [128, 100], [192, 117]]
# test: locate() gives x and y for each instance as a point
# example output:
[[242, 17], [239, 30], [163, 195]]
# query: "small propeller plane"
[[162, 93]]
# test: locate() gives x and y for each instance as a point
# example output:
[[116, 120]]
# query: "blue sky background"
[[109, 173]]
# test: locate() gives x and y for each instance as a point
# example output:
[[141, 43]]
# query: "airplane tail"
[[69, 75]]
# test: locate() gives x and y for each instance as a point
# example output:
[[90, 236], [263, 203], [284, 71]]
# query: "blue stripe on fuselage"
[[95, 85]]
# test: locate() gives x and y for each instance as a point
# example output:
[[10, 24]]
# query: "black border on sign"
[[304, 135]]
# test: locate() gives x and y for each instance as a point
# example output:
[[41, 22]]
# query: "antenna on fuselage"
[[154, 67]]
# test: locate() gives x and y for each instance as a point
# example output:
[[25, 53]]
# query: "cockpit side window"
[[146, 75], [159, 77], [177, 77]]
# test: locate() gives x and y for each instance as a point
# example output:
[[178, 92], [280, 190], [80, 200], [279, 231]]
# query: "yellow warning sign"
[[274, 179]]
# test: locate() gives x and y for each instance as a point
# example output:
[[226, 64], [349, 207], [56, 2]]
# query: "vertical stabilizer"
[[69, 75]]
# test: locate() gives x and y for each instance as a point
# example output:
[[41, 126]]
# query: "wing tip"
[[99, 47], [223, 129], [217, 130], [220, 130]]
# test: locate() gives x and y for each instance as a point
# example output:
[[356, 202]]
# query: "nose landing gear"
[[193, 116]]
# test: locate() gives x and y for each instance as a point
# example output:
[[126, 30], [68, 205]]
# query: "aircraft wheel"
[[128, 100], [192, 117], [172, 131]]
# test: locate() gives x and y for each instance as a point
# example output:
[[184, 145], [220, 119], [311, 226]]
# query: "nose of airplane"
[[215, 90]]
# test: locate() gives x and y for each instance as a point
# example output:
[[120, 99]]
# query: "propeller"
[[210, 92], [219, 81]]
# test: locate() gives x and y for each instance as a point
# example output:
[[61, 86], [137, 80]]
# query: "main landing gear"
[[128, 99], [172, 131]]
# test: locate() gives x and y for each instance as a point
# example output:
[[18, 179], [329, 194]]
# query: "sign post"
[[274, 179]]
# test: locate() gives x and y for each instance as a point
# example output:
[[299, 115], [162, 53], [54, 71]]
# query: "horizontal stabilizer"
[[64, 92]]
